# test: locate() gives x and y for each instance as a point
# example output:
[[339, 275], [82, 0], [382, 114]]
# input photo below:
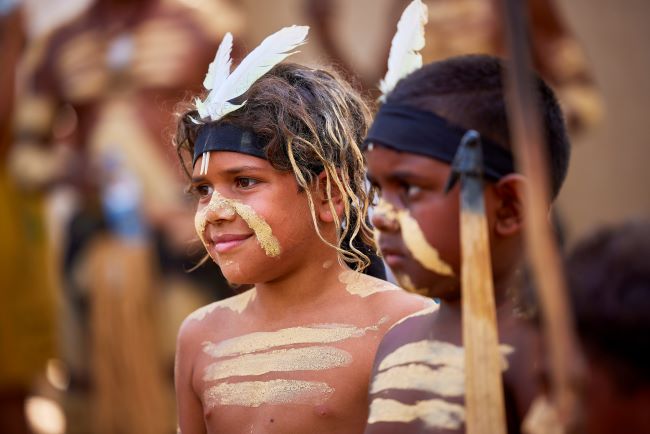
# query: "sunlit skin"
[[414, 184], [299, 302]]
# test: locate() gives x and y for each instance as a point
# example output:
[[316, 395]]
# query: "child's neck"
[[309, 286]]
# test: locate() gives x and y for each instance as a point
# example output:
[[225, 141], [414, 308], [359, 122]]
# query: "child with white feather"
[[418, 379], [279, 176]]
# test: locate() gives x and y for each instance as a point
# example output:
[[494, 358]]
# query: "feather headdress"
[[225, 86], [404, 56]]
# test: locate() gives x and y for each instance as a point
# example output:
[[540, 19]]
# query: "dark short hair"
[[609, 281], [468, 91]]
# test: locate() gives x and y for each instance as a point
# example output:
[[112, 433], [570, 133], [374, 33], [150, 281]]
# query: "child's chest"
[[292, 378]]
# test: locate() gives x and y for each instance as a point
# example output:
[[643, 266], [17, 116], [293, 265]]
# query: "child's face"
[[417, 224], [251, 218]]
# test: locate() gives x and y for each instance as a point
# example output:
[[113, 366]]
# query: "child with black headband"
[[278, 173], [418, 376]]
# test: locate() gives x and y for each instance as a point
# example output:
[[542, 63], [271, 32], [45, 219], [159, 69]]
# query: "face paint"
[[444, 381], [229, 207], [262, 341], [327, 264], [404, 280], [434, 413], [313, 358], [256, 393], [359, 284], [237, 304], [386, 210], [421, 250]]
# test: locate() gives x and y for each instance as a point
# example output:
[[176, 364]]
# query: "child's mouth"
[[227, 242]]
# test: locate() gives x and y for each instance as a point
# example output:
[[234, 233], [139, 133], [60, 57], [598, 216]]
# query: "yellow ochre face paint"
[[230, 207], [413, 237], [404, 281], [417, 244]]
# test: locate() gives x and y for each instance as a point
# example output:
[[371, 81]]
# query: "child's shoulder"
[[204, 316], [383, 296]]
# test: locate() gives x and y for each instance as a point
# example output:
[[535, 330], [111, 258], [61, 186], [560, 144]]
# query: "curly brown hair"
[[313, 121]]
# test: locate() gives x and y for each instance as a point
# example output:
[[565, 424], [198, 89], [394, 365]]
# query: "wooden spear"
[[484, 403], [542, 250]]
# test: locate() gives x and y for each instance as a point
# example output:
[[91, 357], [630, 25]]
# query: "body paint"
[[434, 413], [327, 264], [313, 358], [430, 366], [311, 334], [236, 303], [435, 353], [263, 233], [256, 393], [361, 285], [443, 381], [417, 244], [432, 306]]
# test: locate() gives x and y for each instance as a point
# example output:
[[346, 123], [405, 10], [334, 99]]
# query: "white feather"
[[273, 50], [404, 56], [219, 69]]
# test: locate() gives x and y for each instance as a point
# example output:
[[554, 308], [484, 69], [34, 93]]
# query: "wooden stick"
[[484, 402], [543, 252]]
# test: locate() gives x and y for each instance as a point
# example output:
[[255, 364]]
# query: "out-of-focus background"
[[95, 231]]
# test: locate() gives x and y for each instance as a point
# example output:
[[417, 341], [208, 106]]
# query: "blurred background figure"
[[609, 282], [27, 298], [93, 123]]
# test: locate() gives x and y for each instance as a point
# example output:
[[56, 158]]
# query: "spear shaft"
[[541, 246]]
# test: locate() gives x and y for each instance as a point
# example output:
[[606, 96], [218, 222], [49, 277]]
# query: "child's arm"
[[188, 404]]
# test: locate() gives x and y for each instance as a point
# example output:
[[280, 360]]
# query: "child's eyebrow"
[[406, 176], [239, 169]]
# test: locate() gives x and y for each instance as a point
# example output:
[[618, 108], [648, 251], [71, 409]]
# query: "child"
[[418, 381], [609, 281], [283, 186]]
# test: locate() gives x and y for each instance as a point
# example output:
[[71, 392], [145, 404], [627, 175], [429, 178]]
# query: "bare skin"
[[417, 379], [293, 354]]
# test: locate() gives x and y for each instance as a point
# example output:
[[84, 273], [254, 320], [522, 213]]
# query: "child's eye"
[[202, 191], [245, 182], [413, 191]]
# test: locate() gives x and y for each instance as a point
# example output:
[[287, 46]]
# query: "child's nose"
[[384, 223], [217, 212]]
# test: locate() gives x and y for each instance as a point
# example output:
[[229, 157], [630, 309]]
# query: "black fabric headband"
[[407, 129], [227, 137]]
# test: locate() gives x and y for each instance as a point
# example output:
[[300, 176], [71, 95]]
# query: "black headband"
[[408, 129], [227, 137]]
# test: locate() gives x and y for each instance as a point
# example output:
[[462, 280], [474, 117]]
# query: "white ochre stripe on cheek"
[[434, 413], [288, 360], [261, 341], [256, 393], [219, 204], [417, 244]]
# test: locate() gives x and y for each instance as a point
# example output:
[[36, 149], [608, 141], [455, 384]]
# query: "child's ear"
[[509, 211], [323, 207]]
